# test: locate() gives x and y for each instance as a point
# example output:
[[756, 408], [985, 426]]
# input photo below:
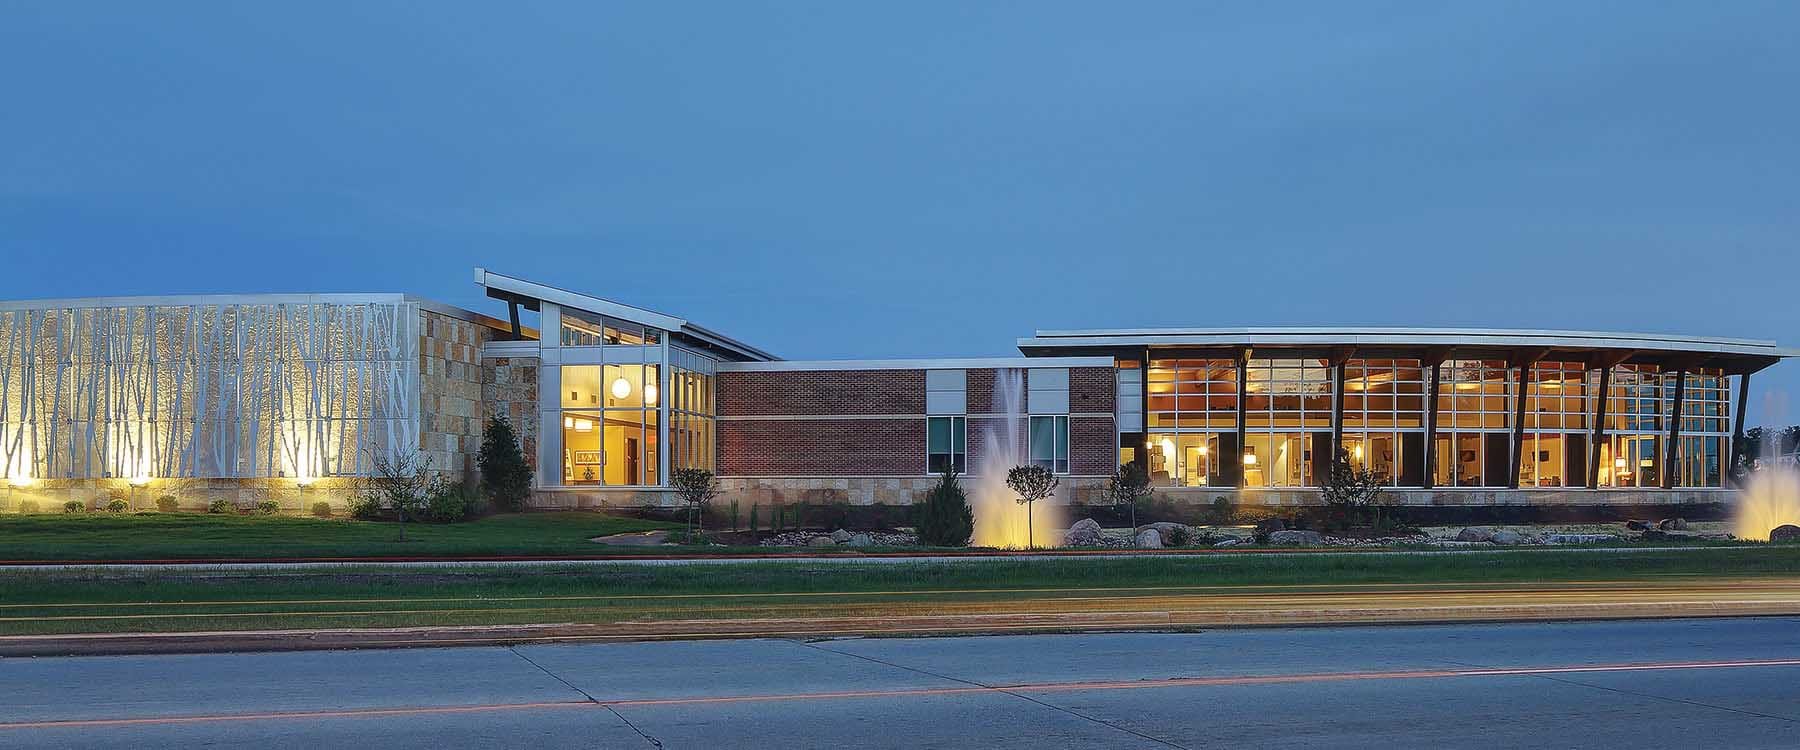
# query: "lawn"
[[107, 536], [87, 600]]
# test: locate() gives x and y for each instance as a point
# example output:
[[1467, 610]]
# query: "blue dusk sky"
[[853, 179]]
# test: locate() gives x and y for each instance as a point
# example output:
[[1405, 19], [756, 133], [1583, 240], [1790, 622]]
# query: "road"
[[1653, 683]]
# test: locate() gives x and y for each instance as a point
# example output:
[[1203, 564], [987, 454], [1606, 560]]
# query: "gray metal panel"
[[1373, 337]]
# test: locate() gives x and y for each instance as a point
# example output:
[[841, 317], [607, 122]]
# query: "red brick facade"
[[805, 423]]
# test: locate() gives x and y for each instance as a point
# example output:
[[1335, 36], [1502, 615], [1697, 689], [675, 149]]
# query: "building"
[[292, 397]]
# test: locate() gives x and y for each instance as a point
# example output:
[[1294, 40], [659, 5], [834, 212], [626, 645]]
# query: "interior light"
[[1619, 463], [568, 423], [1357, 451], [649, 393], [1250, 458], [582, 425], [1202, 450], [1647, 463], [621, 388]]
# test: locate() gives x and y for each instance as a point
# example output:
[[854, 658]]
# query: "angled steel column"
[[1243, 379], [1599, 433], [1669, 452], [1141, 456], [512, 311], [1518, 425], [1737, 430], [1436, 362]]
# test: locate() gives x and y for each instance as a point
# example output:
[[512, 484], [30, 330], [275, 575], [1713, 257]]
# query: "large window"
[[1287, 422], [1473, 424], [945, 444], [1558, 409], [584, 329], [691, 410], [1050, 443], [1192, 422], [1384, 418], [1636, 410], [1705, 430], [609, 424]]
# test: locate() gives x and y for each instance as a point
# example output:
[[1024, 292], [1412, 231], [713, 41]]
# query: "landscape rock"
[[1475, 534], [1085, 524], [1636, 525], [1148, 539], [1786, 532], [821, 541], [861, 540], [1506, 536], [1296, 538], [840, 536], [1167, 531], [1085, 533], [1229, 542], [1672, 524], [1584, 538], [1271, 525]]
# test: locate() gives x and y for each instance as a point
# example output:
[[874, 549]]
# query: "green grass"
[[105, 536], [87, 600]]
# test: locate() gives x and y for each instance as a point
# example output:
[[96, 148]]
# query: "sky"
[[854, 180]]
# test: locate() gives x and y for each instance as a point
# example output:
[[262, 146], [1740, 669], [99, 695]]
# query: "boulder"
[[1148, 539], [840, 536], [1271, 525], [1296, 538], [1672, 524], [1475, 534], [1228, 542], [1578, 538], [820, 541], [1506, 536], [861, 540], [1086, 524], [1081, 536], [1636, 525], [1168, 530], [1786, 532]]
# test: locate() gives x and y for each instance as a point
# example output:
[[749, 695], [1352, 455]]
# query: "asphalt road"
[[1668, 683]]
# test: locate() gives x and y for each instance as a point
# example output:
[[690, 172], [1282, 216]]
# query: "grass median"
[[87, 601]]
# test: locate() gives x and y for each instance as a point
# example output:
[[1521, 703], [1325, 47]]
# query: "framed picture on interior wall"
[[1543, 455], [587, 458]]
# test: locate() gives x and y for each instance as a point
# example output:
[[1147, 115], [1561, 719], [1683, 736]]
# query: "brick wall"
[[851, 392], [1093, 440], [822, 447]]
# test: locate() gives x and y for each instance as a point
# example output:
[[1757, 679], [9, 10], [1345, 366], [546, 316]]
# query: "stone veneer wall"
[[450, 391], [510, 387], [189, 494]]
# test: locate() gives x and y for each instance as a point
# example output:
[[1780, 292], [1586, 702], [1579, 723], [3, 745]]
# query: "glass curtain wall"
[[1474, 437], [1384, 418], [1287, 422], [1705, 441], [609, 420], [1636, 410], [1559, 409], [1192, 422], [691, 410]]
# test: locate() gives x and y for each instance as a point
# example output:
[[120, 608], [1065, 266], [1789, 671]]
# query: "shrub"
[[734, 515], [696, 488], [30, 506], [364, 508], [449, 502], [1222, 512], [1128, 488], [321, 509], [167, 504], [1181, 536], [946, 520], [117, 505], [268, 508], [73, 506], [221, 505], [505, 476], [753, 519]]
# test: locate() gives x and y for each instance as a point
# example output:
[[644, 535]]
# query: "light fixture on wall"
[[621, 388], [304, 482], [19, 481], [139, 480]]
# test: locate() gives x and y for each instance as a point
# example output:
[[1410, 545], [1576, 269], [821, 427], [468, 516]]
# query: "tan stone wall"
[[450, 391], [794, 490], [1448, 497], [510, 387], [190, 494]]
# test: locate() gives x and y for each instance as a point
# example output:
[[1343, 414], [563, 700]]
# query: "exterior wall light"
[[139, 481], [621, 388], [19, 481], [304, 482]]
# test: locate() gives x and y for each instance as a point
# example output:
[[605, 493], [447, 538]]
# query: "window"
[[944, 444], [1050, 443], [609, 424]]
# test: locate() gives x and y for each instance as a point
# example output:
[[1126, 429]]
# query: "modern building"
[[293, 397]]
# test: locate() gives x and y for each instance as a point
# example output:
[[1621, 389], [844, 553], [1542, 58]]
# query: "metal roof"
[[501, 286]]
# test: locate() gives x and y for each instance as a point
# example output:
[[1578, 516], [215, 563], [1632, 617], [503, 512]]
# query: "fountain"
[[1000, 521], [1771, 493]]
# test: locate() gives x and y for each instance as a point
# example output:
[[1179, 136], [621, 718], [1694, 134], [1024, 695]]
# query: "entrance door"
[[631, 461]]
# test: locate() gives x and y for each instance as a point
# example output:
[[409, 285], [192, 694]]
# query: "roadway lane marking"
[[1042, 687]]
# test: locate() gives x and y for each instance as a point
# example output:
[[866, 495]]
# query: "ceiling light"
[[621, 388]]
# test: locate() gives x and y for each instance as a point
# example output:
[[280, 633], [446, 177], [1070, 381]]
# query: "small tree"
[[946, 520], [401, 480], [1351, 491], [1129, 485], [696, 488], [1033, 483], [505, 476]]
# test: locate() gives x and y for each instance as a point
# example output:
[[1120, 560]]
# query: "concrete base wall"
[[190, 494]]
